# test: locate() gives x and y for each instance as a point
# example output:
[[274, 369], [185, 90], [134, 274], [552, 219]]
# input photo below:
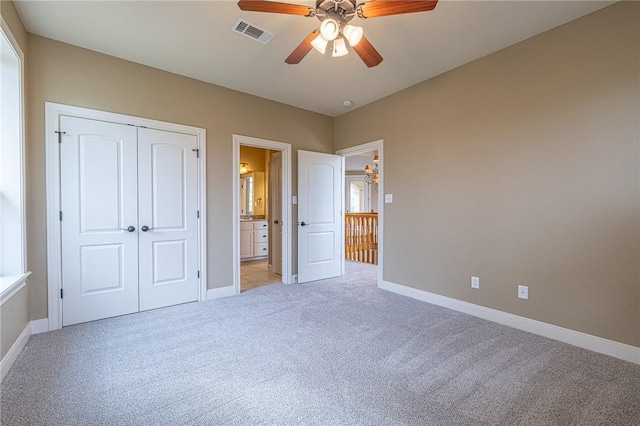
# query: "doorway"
[[262, 213], [260, 217], [363, 206]]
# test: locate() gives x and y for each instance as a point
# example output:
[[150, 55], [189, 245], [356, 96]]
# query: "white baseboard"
[[217, 293], [16, 348], [572, 337], [40, 326]]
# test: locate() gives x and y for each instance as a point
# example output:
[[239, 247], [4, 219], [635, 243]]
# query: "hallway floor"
[[255, 273]]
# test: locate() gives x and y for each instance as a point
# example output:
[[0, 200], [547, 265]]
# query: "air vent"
[[247, 29]]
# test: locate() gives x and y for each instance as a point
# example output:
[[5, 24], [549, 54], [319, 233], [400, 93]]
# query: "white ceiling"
[[357, 163], [194, 38]]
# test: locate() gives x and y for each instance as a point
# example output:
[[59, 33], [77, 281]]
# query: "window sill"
[[10, 285]]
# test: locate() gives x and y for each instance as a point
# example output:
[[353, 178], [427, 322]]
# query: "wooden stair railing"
[[361, 237]]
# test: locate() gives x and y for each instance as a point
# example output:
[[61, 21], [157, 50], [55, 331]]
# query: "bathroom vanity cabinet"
[[254, 239]]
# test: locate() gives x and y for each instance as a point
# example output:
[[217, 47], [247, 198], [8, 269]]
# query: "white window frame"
[[10, 285]]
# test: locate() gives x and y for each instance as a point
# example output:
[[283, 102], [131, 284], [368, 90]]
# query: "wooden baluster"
[[361, 237]]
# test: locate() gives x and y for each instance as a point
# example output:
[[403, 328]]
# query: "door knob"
[[129, 229], [303, 224], [145, 228]]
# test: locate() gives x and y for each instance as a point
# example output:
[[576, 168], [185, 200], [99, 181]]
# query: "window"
[[12, 226], [357, 197], [356, 194]]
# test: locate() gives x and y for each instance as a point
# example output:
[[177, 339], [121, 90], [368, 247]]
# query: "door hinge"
[[198, 274], [60, 135], [61, 294], [198, 214], [197, 151], [60, 215]]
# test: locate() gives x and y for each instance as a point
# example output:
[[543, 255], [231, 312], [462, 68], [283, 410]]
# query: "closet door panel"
[[167, 199], [99, 228]]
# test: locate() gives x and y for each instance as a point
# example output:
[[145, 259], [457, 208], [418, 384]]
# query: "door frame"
[[53, 111], [361, 149], [287, 215]]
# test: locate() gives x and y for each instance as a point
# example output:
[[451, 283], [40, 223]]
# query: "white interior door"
[[275, 188], [319, 216], [98, 163], [168, 211]]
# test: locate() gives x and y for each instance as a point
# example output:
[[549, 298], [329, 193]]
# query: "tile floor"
[[255, 273]]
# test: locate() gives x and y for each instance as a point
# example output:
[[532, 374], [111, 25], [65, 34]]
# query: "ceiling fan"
[[335, 16]]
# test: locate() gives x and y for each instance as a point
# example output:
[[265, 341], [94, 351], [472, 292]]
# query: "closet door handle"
[[129, 229], [145, 228]]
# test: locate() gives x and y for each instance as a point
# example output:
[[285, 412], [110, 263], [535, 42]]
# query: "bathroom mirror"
[[252, 197]]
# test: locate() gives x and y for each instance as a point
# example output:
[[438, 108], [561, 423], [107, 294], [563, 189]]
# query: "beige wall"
[[529, 174], [11, 17], [14, 315], [66, 74]]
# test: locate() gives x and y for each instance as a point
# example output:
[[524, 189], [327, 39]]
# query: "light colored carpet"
[[334, 352]]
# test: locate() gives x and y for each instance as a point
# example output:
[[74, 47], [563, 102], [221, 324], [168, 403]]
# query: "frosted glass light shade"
[[339, 48], [320, 44], [329, 29], [353, 34]]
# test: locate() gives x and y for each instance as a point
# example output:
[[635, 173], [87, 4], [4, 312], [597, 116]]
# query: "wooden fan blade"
[[377, 8], [303, 48], [274, 7], [367, 53]]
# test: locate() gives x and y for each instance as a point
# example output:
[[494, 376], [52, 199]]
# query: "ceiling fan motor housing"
[[341, 11]]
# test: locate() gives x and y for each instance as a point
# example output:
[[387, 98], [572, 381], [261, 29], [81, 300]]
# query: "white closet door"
[[99, 199], [167, 194]]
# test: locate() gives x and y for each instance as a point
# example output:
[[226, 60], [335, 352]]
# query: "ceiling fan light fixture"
[[320, 44], [339, 48], [329, 29], [353, 34]]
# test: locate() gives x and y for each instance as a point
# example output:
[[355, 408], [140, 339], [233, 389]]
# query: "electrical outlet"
[[523, 292], [475, 282]]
